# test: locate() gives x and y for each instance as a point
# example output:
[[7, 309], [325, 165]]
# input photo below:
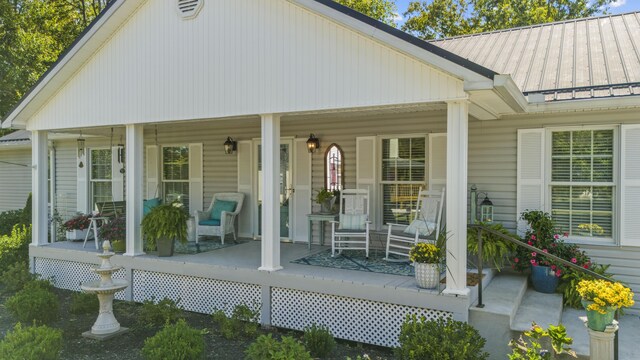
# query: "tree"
[[444, 18], [382, 10]]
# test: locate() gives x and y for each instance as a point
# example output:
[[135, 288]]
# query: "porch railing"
[[481, 228]]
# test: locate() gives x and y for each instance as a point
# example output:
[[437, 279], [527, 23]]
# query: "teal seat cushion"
[[209, 222], [222, 205], [150, 204]]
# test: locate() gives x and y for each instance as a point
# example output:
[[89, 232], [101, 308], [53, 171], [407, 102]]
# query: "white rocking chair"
[[205, 225], [424, 228], [351, 232]]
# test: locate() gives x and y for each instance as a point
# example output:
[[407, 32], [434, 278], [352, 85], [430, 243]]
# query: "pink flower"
[[533, 237], [558, 273], [554, 245], [529, 242], [544, 250], [586, 266], [574, 260], [556, 236], [534, 254], [516, 260], [553, 267], [533, 262]]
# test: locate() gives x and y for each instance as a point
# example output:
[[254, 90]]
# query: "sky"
[[617, 7]]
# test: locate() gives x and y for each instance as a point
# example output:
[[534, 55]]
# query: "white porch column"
[[134, 178], [39, 188], [456, 197], [270, 192]]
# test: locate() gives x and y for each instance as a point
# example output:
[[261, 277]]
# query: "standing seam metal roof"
[[582, 58]]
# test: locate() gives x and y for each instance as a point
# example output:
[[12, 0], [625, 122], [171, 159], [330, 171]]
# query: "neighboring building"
[[15, 170], [544, 117]]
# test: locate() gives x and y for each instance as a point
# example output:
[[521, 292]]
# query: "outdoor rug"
[[355, 260], [203, 246]]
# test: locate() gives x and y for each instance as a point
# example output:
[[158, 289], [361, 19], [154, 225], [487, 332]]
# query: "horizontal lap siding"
[[15, 178]]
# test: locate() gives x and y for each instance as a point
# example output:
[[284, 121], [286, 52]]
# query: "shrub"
[[531, 349], [118, 246], [14, 248], [78, 222], [174, 342], [165, 311], [9, 219], [243, 322], [319, 341], [116, 229], [495, 250], [31, 343], [570, 280], [439, 339], [84, 303], [268, 348], [35, 303], [16, 277]]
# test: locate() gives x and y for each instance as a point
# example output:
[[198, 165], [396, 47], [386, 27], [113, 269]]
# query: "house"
[[15, 172], [543, 117]]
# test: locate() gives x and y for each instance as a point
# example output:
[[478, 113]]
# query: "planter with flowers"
[[116, 232], [77, 227], [602, 299], [426, 260], [163, 225]]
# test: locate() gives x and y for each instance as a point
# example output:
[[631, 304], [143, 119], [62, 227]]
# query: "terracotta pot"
[[427, 275]]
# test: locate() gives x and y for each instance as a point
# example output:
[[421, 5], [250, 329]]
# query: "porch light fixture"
[[80, 150], [230, 145], [121, 156], [486, 210], [313, 143]]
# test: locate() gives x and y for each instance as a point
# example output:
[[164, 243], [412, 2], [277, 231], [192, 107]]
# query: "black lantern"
[[80, 151], [313, 143], [230, 145], [486, 210]]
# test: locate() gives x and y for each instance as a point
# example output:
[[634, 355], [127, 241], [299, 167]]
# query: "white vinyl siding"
[[100, 175], [15, 178]]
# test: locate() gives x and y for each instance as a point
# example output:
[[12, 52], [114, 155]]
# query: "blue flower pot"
[[544, 279]]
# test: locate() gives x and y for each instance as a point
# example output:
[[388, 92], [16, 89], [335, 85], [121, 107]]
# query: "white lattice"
[[353, 319], [195, 293], [70, 274]]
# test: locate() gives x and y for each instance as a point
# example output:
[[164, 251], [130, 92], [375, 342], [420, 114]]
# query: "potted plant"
[[116, 232], [602, 299], [163, 225], [77, 227], [426, 260], [326, 198]]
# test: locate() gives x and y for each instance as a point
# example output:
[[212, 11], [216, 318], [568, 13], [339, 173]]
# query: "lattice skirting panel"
[[353, 319], [70, 274], [195, 293]]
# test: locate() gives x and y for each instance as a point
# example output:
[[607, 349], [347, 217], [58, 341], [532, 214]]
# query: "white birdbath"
[[106, 326]]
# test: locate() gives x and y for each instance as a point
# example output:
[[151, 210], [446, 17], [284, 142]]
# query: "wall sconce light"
[[81, 150], [486, 210], [313, 143], [230, 145], [486, 206], [121, 153]]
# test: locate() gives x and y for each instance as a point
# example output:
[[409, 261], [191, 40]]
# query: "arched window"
[[334, 168]]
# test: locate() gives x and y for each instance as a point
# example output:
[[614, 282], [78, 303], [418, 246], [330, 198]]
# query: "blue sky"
[[619, 6]]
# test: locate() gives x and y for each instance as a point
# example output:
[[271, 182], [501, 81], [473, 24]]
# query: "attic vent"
[[188, 9]]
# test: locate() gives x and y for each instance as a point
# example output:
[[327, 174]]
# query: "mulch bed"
[[128, 346], [472, 279]]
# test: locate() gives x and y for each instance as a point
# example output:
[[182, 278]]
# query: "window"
[[175, 174], [582, 183], [100, 173], [402, 176]]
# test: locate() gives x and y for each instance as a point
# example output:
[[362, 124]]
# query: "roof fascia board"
[[13, 119], [510, 93], [408, 45], [586, 104]]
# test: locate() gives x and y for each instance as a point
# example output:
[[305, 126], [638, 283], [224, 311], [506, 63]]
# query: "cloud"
[[618, 3], [400, 19]]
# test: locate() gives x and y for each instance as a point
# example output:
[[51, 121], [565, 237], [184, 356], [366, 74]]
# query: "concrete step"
[[543, 309]]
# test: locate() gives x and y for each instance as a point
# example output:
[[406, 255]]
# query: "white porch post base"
[[456, 197], [134, 176], [601, 343], [270, 193], [39, 188]]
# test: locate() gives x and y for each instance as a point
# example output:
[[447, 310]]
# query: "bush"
[[35, 303], [319, 341], [174, 342], [570, 280], [9, 219], [14, 248], [31, 343], [243, 322], [440, 339], [268, 348], [16, 277], [84, 303], [116, 229], [529, 347], [165, 311]]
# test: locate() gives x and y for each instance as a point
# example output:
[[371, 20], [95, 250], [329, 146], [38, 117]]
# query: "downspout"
[[52, 194]]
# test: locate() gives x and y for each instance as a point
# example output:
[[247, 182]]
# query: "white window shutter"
[[302, 195], [153, 176], [630, 185], [117, 177], [437, 161], [195, 178], [82, 190], [530, 173], [245, 186], [366, 173]]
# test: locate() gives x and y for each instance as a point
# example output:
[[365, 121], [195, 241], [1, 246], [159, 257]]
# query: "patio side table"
[[321, 218]]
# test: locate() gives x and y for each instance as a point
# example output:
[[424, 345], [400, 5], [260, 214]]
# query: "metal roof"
[[584, 58], [19, 135]]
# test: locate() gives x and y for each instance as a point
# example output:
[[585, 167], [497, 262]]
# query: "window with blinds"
[[175, 174], [402, 176], [582, 182], [100, 176]]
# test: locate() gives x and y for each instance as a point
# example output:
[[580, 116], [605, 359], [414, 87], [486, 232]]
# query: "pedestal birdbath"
[[106, 326]]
